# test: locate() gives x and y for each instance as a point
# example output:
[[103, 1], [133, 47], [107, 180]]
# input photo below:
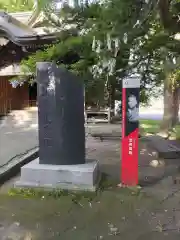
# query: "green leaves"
[[139, 50], [17, 5]]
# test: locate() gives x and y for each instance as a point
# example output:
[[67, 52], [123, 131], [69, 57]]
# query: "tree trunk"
[[175, 119], [171, 108], [166, 124], [111, 102]]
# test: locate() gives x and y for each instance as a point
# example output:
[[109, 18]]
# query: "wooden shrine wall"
[[12, 98]]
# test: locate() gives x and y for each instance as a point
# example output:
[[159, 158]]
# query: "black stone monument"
[[61, 116], [61, 163]]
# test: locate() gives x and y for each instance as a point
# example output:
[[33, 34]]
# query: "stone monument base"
[[82, 177]]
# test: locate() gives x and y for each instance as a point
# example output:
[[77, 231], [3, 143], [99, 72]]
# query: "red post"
[[130, 131]]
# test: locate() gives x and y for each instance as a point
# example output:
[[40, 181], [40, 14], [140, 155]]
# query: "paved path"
[[152, 116], [18, 134], [151, 169], [113, 214]]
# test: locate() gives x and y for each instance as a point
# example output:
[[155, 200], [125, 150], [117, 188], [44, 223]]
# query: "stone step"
[[110, 136], [163, 147], [107, 134]]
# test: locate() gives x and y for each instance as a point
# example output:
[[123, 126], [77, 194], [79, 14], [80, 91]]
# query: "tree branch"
[[170, 22]]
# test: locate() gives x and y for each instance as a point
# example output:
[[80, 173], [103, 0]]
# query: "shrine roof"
[[23, 33], [20, 33]]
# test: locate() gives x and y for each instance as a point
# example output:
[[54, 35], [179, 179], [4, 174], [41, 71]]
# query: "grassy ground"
[[152, 127], [109, 215]]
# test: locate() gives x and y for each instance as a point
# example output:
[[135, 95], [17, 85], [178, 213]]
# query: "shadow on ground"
[[151, 169], [114, 213]]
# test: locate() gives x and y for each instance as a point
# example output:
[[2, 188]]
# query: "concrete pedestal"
[[71, 177]]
